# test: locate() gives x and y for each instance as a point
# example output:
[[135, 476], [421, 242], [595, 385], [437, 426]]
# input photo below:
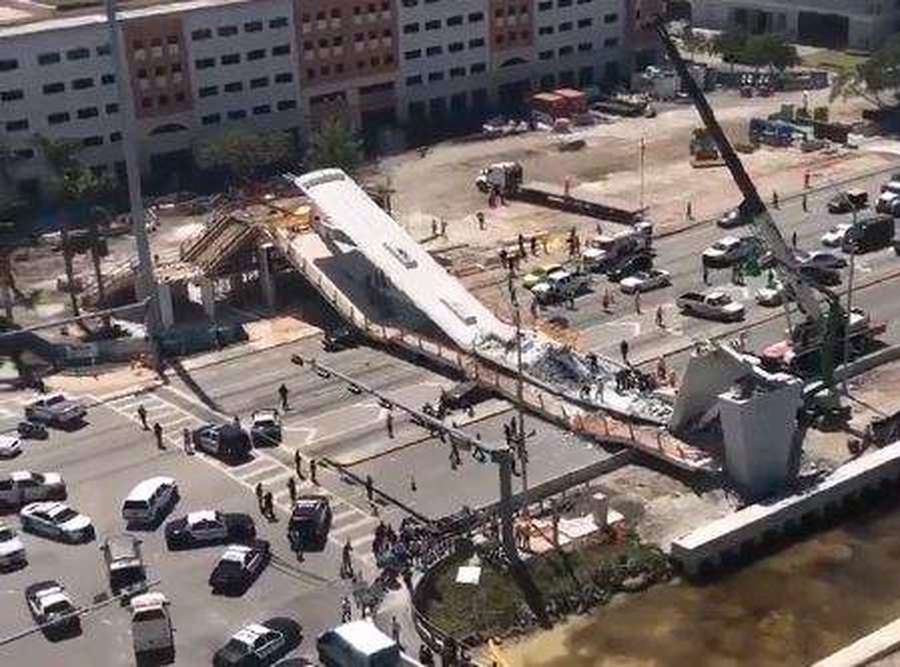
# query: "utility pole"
[[145, 280], [520, 391], [846, 330]]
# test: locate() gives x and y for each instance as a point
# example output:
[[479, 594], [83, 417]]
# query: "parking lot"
[[101, 462]]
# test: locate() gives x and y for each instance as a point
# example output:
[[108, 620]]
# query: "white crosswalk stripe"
[[348, 521]]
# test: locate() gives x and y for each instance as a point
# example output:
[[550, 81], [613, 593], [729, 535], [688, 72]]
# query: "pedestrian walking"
[[369, 488], [236, 422], [544, 244], [794, 240], [412, 484], [806, 180], [504, 262], [187, 440], [434, 228], [534, 246], [259, 495], [298, 464], [389, 423], [661, 370], [689, 211], [775, 198], [158, 432], [283, 395], [142, 415], [571, 302], [705, 274], [455, 459], [443, 228], [346, 610], [533, 307], [605, 300], [804, 204], [347, 560], [292, 489], [521, 244], [395, 630], [268, 505], [623, 349], [659, 317], [312, 471], [637, 302], [506, 434], [479, 216]]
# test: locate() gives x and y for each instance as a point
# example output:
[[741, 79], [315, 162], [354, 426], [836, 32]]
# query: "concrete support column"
[[166, 311], [208, 298], [266, 279]]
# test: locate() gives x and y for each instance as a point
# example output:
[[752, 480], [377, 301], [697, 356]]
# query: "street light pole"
[[849, 301], [145, 280], [520, 392], [641, 169]]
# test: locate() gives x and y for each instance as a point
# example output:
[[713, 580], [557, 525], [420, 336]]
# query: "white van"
[[149, 500], [357, 644]]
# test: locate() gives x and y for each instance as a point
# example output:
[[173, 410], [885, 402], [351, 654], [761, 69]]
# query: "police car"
[[50, 604], [259, 643], [12, 551], [239, 565], [24, 486], [265, 428], [56, 520], [209, 527]]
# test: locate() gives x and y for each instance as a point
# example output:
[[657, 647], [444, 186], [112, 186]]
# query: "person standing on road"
[[623, 349], [312, 471], [659, 318], [775, 199], [188, 443], [395, 630], [479, 216], [298, 463], [794, 240], [534, 246], [158, 432], [346, 610], [637, 302], [142, 415], [292, 490], [259, 495], [347, 560], [389, 423], [705, 274], [804, 203], [283, 395], [369, 488], [269, 506]]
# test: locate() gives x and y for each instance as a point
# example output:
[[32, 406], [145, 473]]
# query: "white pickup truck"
[[712, 306]]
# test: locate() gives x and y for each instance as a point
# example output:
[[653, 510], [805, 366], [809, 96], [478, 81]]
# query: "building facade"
[[854, 24], [199, 67]]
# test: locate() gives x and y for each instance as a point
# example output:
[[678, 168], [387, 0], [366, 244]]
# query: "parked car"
[[57, 521], [55, 410], [12, 551], [9, 446], [630, 266], [819, 275], [50, 605], [848, 200], [835, 236], [889, 199], [773, 294], [821, 259], [207, 527], [716, 305], [539, 274], [265, 428], [222, 440], [32, 430], [150, 500], [310, 521], [644, 281], [869, 234], [240, 565], [259, 643], [560, 285], [730, 250], [23, 486], [733, 218]]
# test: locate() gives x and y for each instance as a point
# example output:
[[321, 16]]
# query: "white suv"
[[149, 500]]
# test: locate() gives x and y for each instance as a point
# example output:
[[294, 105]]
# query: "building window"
[[179, 96], [435, 76], [104, 50], [208, 91], [545, 30], [238, 114], [262, 110], [545, 55], [88, 112], [78, 54], [610, 18], [17, 125], [476, 43], [115, 137], [565, 51], [456, 72], [147, 103], [205, 63], [212, 119], [12, 95], [9, 65], [234, 87], [565, 27], [137, 45], [585, 23], [454, 20], [58, 118], [108, 79], [455, 47], [286, 105], [226, 30], [163, 100], [253, 26], [53, 88], [284, 77], [476, 17], [96, 140], [256, 54], [200, 35], [610, 42], [412, 55], [477, 68], [281, 50], [231, 58], [24, 153], [432, 25], [414, 80], [82, 84], [260, 82], [280, 22], [48, 58], [112, 108], [434, 50], [410, 28]]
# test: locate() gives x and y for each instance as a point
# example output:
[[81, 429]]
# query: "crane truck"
[[823, 332]]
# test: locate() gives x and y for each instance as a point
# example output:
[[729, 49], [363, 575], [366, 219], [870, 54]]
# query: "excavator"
[[820, 336]]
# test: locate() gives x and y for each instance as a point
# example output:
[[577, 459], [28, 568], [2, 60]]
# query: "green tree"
[[243, 152], [768, 51], [872, 79], [728, 45], [335, 144]]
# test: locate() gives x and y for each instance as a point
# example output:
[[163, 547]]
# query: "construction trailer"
[[507, 179]]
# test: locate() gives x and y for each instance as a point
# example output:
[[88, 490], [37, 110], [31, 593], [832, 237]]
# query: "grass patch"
[[496, 603], [839, 61]]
